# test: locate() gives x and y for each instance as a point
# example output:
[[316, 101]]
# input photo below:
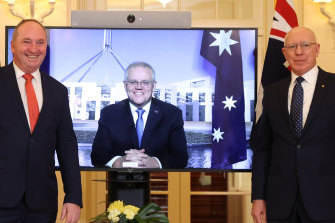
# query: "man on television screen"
[[35, 122], [140, 131], [293, 172]]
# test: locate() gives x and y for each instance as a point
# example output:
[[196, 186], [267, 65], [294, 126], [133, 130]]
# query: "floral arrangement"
[[118, 212]]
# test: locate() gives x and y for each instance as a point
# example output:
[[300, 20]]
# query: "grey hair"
[[140, 64], [16, 30]]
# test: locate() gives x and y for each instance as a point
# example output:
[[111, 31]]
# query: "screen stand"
[[132, 187]]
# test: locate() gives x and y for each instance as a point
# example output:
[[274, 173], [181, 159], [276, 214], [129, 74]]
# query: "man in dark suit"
[[119, 142], [293, 176], [29, 138]]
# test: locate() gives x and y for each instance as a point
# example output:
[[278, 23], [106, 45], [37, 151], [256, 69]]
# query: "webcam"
[[131, 18], [134, 19]]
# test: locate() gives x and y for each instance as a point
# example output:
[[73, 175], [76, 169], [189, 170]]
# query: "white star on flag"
[[229, 102], [217, 134], [223, 41]]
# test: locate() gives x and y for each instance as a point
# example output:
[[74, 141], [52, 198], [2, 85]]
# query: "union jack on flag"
[[275, 66]]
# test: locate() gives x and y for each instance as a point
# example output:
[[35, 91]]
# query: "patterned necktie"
[[139, 125], [32, 101], [297, 105]]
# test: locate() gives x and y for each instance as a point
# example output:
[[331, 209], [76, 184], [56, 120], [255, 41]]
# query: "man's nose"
[[139, 85], [33, 47], [298, 49]]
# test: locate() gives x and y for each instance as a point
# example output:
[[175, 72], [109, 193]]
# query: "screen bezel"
[[85, 168]]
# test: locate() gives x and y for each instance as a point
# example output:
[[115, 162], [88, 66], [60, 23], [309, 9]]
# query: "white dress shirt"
[[145, 114], [309, 86], [37, 85]]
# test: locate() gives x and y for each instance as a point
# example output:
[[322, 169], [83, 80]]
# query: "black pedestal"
[[132, 187]]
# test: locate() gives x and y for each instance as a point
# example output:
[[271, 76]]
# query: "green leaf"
[[101, 218], [123, 219], [149, 214]]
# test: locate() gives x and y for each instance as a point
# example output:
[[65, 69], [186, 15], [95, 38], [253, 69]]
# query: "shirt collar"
[[310, 77], [146, 108], [19, 73]]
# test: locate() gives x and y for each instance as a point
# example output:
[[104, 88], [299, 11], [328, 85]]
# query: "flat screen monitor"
[[208, 73]]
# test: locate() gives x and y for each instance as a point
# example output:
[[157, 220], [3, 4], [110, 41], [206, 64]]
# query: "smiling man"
[[140, 132], [293, 172], [35, 122]]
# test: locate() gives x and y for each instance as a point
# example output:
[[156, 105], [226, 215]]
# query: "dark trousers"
[[22, 214], [298, 214]]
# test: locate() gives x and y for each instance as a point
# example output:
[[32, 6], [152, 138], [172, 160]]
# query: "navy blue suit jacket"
[[284, 164], [27, 163], [163, 136]]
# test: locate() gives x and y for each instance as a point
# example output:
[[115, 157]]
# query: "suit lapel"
[[155, 115], [10, 83], [129, 122], [46, 100], [284, 103], [319, 94]]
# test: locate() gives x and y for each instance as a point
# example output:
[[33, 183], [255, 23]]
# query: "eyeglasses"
[[133, 83], [303, 46]]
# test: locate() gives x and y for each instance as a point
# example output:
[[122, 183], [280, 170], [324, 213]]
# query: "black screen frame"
[[130, 170]]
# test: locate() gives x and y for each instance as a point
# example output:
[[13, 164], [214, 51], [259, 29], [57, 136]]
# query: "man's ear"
[[125, 85], [317, 49], [283, 50], [12, 47]]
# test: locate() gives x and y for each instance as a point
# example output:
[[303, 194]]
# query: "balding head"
[[299, 30], [301, 49]]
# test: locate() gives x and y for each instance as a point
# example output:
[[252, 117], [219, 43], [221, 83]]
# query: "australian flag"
[[275, 65], [223, 50]]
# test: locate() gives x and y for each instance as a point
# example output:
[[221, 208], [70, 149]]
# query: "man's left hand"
[[143, 160], [71, 212], [149, 162]]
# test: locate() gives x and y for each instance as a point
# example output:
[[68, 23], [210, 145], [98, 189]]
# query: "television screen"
[[208, 73]]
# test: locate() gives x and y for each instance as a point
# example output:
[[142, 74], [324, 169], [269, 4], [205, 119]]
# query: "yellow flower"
[[116, 205], [130, 211], [113, 214], [114, 219], [118, 211], [115, 209]]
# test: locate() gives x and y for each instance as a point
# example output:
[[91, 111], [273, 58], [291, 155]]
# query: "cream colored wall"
[[6, 19], [323, 29], [308, 15]]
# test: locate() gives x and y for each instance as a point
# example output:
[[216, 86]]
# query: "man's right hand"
[[258, 211], [138, 156], [132, 155]]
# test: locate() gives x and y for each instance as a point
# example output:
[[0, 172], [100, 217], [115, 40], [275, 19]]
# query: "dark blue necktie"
[[297, 105], [139, 125]]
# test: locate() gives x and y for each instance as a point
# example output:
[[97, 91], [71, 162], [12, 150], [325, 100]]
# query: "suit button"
[[32, 140], [299, 146]]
